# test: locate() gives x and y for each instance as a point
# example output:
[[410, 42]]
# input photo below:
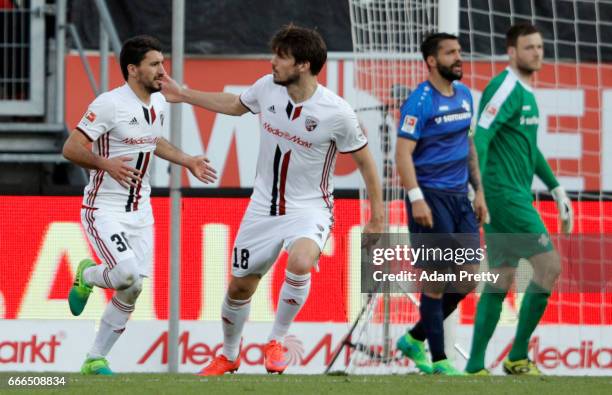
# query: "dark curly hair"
[[305, 45]]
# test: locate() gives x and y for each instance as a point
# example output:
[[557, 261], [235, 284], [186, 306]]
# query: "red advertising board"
[[38, 256]]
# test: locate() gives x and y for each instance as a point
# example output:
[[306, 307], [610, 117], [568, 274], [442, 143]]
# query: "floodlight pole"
[[60, 61], [178, 39], [103, 58]]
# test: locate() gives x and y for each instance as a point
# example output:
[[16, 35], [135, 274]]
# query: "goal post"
[[448, 16], [388, 64], [574, 94]]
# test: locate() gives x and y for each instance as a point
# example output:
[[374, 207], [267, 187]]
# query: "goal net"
[[574, 93]]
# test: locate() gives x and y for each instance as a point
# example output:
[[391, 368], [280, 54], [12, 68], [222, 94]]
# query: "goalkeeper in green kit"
[[506, 141]]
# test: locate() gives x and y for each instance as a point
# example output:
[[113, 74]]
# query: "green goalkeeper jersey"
[[506, 139]]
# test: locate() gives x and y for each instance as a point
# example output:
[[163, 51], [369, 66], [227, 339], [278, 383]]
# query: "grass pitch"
[[142, 384]]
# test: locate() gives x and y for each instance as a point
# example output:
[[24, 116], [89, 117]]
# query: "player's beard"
[[525, 68], [291, 79], [447, 72], [151, 88]]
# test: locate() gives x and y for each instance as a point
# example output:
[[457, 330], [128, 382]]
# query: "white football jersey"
[[119, 124], [298, 146]]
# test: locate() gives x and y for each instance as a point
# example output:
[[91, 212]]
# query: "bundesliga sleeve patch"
[[409, 124], [88, 119], [487, 116], [90, 116], [492, 110]]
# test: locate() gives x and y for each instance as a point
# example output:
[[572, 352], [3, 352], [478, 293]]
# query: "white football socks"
[[293, 295], [98, 275], [112, 326], [234, 314]]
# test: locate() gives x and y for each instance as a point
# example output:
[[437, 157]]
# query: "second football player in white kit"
[[303, 127]]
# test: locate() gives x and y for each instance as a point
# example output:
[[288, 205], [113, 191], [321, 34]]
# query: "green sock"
[[487, 316], [532, 308]]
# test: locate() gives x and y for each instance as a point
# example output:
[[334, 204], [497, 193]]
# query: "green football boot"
[[524, 367], [79, 293], [444, 367], [481, 372], [415, 350], [96, 366]]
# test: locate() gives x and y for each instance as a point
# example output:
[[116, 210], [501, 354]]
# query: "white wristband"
[[415, 194]]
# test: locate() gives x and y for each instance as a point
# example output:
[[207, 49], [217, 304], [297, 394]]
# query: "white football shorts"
[[261, 237], [119, 236]]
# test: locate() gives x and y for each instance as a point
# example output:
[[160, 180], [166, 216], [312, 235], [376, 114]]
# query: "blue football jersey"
[[440, 125]]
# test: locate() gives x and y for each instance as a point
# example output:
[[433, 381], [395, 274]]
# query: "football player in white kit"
[[303, 126], [124, 126]]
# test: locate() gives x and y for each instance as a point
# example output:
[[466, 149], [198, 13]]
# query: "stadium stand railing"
[[32, 89]]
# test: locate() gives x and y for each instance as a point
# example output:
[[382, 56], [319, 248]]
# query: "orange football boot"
[[274, 356], [219, 366]]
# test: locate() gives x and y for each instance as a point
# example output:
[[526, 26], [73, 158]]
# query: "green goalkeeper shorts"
[[516, 231]]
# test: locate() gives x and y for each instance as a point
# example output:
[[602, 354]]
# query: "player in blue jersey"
[[436, 159]]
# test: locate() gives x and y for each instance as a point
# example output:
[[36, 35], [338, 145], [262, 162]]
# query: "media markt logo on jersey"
[[311, 123]]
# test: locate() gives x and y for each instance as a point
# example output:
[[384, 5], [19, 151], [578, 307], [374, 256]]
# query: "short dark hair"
[[431, 44], [517, 30], [305, 45], [135, 49]]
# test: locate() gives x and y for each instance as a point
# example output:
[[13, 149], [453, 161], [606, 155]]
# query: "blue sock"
[[450, 300], [432, 318]]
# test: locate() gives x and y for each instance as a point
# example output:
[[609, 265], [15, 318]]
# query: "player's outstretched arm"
[[367, 168], [480, 205], [405, 167], [76, 149], [198, 165], [222, 102]]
